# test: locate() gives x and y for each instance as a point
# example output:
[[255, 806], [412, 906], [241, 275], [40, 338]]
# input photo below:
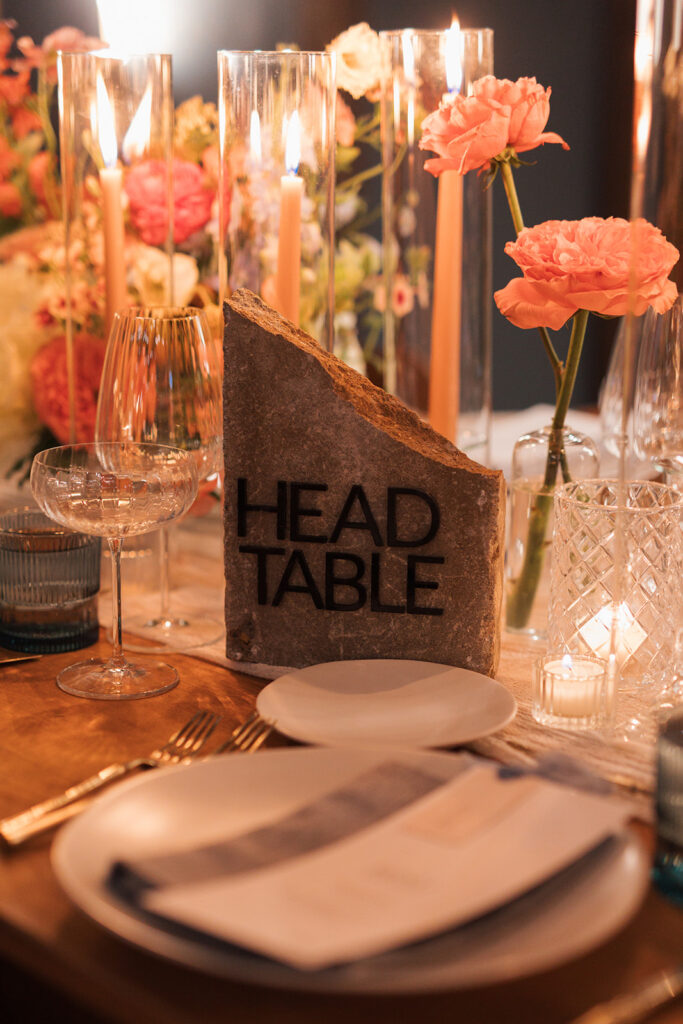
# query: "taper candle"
[[111, 180], [444, 366], [289, 235]]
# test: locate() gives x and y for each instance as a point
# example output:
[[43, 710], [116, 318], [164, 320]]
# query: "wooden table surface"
[[49, 740]]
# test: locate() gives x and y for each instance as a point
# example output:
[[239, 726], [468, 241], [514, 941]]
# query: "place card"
[[459, 851]]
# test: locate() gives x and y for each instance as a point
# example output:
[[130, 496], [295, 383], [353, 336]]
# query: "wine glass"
[[114, 490], [161, 382], [658, 397]]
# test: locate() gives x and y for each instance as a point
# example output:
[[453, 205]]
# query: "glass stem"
[[164, 589], [117, 659]]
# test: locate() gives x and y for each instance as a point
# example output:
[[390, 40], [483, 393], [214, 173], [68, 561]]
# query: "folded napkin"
[[374, 795], [393, 856]]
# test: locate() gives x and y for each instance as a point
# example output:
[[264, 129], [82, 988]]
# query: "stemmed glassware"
[[115, 490], [161, 383], [658, 397]]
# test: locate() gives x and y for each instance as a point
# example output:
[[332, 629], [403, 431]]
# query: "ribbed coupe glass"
[[115, 491]]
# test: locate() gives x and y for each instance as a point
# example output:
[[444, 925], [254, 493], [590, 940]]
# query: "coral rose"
[[468, 132], [360, 60], [585, 264], [10, 200], [50, 385], [146, 189]]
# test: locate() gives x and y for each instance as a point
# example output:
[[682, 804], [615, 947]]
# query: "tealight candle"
[[569, 691]]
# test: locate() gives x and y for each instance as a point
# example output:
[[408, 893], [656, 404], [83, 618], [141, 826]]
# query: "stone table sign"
[[352, 529]]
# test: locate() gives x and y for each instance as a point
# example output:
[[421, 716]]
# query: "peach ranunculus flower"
[[360, 59], [468, 132], [585, 264]]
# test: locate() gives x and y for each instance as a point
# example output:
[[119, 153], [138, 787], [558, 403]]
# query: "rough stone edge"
[[377, 407]]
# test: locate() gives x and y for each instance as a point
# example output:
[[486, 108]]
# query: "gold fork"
[[249, 735], [180, 748]]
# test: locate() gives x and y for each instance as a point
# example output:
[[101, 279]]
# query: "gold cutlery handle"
[[14, 830], [637, 1005]]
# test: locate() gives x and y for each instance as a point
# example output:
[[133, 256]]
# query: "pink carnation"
[[146, 189], [585, 264], [467, 132]]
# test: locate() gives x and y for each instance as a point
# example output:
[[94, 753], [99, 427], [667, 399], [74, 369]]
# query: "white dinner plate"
[[563, 918], [383, 701]]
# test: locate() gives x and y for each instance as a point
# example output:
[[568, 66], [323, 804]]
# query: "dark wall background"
[[582, 48]]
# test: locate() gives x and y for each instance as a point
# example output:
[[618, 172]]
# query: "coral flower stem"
[[518, 221], [521, 598]]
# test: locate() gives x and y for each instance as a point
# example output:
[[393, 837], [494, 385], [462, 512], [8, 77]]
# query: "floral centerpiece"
[[34, 410], [570, 268]]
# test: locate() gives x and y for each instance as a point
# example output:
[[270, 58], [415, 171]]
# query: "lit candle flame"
[[147, 20], [136, 138], [255, 136], [106, 126], [293, 144], [453, 57]]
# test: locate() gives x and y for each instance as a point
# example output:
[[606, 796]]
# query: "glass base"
[[667, 876], [101, 680], [158, 634]]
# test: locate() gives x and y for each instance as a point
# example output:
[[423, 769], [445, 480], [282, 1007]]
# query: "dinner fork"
[[180, 748], [249, 735]]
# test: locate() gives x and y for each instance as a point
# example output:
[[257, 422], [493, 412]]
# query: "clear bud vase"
[[530, 518]]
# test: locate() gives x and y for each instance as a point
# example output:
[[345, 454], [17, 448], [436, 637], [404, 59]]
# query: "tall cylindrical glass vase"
[[436, 242], [116, 143], [276, 189]]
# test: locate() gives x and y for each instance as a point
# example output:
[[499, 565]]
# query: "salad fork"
[[181, 747]]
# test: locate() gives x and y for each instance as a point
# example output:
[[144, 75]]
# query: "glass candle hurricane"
[[276, 182], [436, 243], [116, 139], [615, 585]]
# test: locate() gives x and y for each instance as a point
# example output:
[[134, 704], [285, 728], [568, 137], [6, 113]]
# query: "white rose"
[[360, 60], [149, 276]]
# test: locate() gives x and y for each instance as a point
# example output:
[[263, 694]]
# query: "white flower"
[[360, 60], [149, 276], [407, 221]]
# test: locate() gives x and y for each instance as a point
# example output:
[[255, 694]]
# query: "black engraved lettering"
[[393, 539], [332, 580], [357, 494], [261, 566], [297, 560], [280, 509], [413, 584]]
